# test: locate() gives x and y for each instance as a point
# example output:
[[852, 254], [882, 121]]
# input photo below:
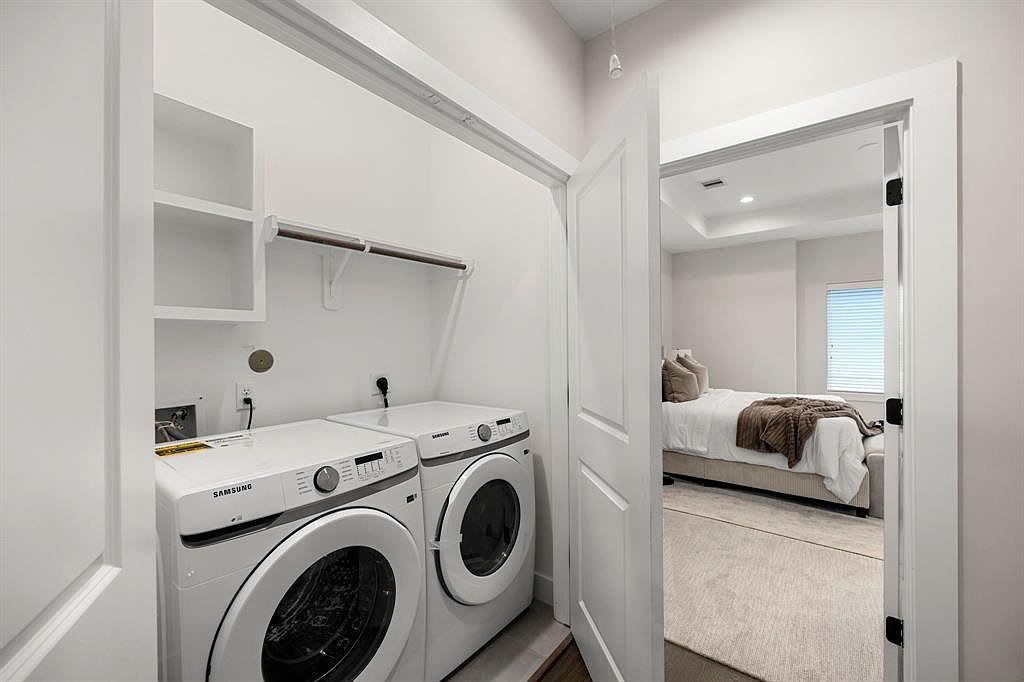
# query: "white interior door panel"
[[77, 583], [614, 394]]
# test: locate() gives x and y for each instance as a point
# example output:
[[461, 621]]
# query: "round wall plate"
[[260, 360]]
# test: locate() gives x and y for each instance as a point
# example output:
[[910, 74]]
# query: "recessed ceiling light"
[[746, 200]]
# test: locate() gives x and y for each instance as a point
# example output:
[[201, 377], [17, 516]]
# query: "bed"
[[700, 442]]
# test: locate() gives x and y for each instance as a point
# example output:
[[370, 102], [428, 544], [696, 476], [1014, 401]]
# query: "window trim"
[[864, 396]]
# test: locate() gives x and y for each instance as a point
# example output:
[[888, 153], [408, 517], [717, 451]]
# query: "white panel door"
[[892, 283], [614, 239], [77, 572]]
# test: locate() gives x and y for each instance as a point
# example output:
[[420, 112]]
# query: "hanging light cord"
[[614, 48]]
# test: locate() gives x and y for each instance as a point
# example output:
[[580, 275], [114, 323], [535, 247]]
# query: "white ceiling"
[[590, 18], [823, 188]]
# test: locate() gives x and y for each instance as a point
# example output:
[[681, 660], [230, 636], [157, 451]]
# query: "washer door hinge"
[[894, 192], [894, 630]]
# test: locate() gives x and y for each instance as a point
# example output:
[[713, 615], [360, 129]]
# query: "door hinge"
[[894, 192], [894, 630], [894, 411]]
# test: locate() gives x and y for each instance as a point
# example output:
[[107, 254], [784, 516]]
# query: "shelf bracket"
[[334, 265]]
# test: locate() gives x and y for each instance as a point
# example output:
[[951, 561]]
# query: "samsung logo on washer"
[[232, 490], [441, 435]]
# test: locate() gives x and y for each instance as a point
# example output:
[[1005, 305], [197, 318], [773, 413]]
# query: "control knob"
[[484, 432], [326, 479]]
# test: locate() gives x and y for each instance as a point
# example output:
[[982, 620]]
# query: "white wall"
[[736, 308], [339, 156], [720, 62], [853, 258], [335, 155], [521, 54]]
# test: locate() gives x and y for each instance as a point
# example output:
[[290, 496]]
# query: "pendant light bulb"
[[614, 67], [614, 63]]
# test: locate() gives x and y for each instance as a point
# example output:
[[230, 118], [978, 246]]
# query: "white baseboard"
[[543, 588]]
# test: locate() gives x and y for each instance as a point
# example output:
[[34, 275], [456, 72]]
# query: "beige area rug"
[[780, 594], [780, 516]]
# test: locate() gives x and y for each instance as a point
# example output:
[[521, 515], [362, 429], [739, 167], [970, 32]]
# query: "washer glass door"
[[334, 601], [332, 619], [485, 533]]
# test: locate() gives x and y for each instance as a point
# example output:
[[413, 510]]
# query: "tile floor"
[[519, 651]]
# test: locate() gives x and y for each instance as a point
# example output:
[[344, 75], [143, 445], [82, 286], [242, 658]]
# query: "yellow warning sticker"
[[181, 448]]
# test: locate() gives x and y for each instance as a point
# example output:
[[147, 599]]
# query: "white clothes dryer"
[[291, 553], [479, 512]]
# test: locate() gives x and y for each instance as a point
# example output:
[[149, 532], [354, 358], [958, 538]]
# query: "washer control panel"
[[336, 477]]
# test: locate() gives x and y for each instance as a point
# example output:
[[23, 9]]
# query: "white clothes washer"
[[479, 512], [291, 553]]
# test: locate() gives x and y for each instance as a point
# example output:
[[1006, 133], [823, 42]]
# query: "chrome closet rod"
[[370, 247]]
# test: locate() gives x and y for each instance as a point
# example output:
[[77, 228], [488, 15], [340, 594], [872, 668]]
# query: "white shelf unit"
[[209, 256]]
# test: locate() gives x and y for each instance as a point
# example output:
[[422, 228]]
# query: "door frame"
[[926, 100], [349, 40]]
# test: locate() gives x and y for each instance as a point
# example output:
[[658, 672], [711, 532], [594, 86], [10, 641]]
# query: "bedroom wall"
[[852, 258], [770, 54], [736, 308]]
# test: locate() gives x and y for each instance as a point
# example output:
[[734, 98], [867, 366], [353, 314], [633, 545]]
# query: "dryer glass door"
[[334, 601], [486, 530], [489, 527]]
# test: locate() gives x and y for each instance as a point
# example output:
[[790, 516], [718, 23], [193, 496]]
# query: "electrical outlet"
[[243, 391], [374, 391], [373, 382]]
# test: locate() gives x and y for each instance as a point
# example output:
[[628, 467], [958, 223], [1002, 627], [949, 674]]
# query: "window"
[[855, 323]]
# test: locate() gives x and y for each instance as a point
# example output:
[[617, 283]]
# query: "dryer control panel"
[[474, 435]]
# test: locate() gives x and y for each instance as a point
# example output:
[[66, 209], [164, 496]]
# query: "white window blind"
[[856, 338]]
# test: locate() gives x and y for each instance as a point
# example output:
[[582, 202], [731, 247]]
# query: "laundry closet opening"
[[256, 144]]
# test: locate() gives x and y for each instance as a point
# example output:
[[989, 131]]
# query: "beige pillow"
[[678, 383], [700, 370]]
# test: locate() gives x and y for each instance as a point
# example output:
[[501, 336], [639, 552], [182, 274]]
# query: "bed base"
[[811, 486]]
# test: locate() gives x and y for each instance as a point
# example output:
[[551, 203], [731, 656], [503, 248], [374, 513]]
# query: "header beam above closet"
[[347, 39]]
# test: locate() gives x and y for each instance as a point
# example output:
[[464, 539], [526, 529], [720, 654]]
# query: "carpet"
[[775, 589]]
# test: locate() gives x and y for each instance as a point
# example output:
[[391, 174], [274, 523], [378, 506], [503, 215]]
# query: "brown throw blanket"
[[783, 425]]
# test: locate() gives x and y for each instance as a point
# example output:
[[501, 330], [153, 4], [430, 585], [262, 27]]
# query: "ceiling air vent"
[[712, 183]]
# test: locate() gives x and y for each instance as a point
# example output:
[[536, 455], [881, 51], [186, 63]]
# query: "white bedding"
[[707, 427]]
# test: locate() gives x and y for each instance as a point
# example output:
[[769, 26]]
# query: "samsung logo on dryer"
[[441, 435], [232, 490]]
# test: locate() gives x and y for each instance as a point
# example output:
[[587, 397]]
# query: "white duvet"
[[707, 427]]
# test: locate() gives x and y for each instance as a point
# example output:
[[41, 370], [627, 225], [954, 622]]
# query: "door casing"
[[923, 100]]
